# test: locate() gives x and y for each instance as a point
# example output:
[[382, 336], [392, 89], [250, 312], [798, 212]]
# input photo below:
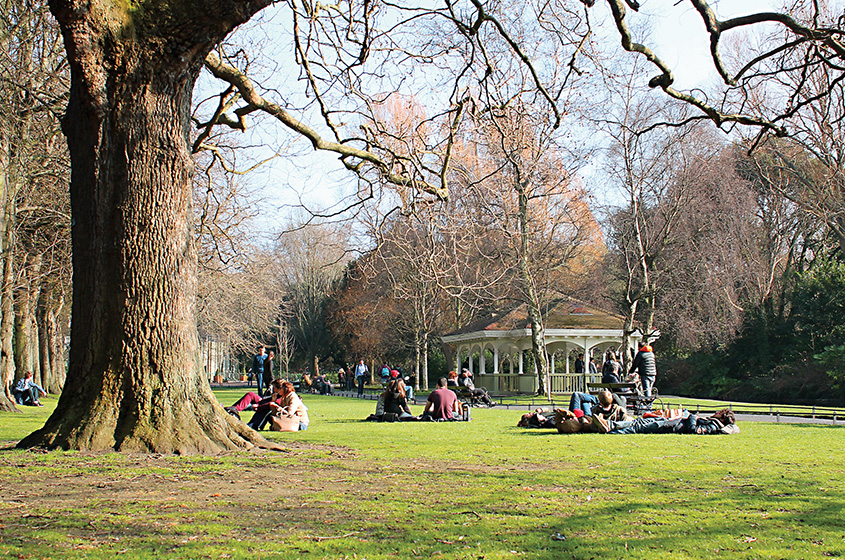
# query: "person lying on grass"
[[607, 410], [586, 402], [536, 419], [721, 422]]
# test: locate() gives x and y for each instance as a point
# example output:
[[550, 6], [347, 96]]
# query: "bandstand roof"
[[565, 313]]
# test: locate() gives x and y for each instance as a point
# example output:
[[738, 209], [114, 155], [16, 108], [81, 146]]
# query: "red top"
[[443, 400]]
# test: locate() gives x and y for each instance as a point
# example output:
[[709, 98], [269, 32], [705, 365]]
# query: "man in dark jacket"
[[258, 367], [644, 365]]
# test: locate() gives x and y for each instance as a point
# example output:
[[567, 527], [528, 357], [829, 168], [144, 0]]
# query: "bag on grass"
[[284, 423], [390, 417]]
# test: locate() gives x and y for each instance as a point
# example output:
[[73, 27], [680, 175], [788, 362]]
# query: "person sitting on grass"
[[442, 404], [395, 400], [290, 405], [27, 391], [263, 406]]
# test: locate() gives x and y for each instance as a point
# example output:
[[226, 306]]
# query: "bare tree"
[[135, 382], [308, 263], [34, 218], [806, 41], [408, 259], [646, 168]]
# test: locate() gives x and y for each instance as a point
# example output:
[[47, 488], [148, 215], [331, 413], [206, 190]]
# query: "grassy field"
[[479, 490]]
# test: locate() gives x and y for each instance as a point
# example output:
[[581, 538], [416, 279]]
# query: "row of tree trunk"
[[31, 304]]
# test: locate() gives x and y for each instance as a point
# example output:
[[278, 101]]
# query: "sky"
[[318, 180]]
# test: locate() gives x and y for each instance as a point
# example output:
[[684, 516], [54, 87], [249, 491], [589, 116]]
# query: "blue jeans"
[[27, 396], [644, 426], [648, 383], [584, 401], [361, 381]]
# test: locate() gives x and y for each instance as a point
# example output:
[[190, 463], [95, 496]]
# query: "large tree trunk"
[[55, 343], [48, 348], [7, 229], [25, 347], [135, 382]]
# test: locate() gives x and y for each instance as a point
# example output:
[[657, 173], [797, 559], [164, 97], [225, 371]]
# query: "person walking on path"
[[644, 365], [361, 374], [268, 372], [258, 367]]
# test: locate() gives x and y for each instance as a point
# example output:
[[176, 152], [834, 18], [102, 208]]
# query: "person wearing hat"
[[406, 382]]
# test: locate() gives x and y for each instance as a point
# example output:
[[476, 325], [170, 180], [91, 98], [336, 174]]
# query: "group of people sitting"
[[604, 414], [318, 384], [442, 404], [282, 402]]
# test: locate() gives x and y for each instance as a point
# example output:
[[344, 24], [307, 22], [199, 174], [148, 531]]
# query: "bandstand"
[[497, 349]]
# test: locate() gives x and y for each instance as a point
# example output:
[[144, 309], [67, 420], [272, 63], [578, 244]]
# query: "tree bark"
[[44, 340], [424, 366], [56, 344], [135, 381], [25, 343], [7, 231], [535, 315]]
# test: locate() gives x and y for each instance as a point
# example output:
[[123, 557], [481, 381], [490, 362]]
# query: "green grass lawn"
[[479, 490]]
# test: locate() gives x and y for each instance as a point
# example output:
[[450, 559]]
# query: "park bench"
[[466, 397], [636, 402]]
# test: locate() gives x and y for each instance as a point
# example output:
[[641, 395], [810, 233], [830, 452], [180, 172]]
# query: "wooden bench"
[[466, 397], [635, 401]]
